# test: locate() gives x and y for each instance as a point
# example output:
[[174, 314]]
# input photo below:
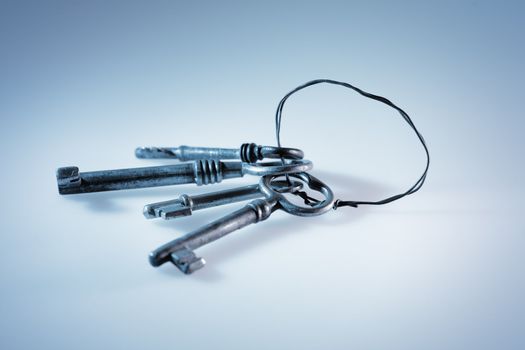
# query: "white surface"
[[442, 269]]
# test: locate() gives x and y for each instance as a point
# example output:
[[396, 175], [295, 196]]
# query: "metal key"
[[200, 172], [248, 152], [180, 251], [185, 204]]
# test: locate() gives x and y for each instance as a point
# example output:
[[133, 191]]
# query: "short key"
[[180, 251], [248, 152], [185, 204]]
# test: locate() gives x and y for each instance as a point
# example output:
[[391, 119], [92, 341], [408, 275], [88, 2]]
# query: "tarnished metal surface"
[[206, 168], [254, 212], [200, 172], [257, 210], [248, 152], [185, 205]]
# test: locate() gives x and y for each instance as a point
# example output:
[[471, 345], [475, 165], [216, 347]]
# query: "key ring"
[[251, 153], [313, 183], [277, 167], [283, 186]]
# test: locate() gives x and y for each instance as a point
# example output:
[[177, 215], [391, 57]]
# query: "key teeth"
[[207, 171], [155, 152], [67, 177], [173, 213], [186, 261]]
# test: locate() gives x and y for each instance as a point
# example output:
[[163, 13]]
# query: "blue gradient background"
[[84, 83]]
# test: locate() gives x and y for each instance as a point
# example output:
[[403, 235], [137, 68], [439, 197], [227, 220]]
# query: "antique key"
[[200, 172], [207, 167], [180, 251], [185, 204], [248, 152]]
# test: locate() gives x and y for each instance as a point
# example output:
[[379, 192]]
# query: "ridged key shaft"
[[201, 172]]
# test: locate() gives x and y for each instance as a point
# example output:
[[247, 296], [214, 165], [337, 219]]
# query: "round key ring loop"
[[312, 182], [277, 167], [281, 152], [283, 186], [251, 152]]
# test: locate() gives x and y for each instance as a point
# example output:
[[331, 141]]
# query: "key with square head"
[[200, 172], [181, 250], [248, 153], [185, 204]]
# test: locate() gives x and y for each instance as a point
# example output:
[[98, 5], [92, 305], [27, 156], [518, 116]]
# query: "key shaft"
[[185, 204], [202, 172], [186, 153], [248, 152]]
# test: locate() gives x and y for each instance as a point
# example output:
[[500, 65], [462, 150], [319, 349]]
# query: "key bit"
[[187, 261], [248, 152], [185, 205]]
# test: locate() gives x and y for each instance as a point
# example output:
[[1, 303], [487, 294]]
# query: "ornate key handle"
[[312, 182]]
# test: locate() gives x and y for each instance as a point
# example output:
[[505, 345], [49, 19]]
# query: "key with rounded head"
[[181, 250], [200, 172], [248, 152], [185, 204]]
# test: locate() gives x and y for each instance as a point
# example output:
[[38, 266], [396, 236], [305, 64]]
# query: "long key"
[[185, 204], [248, 152], [180, 251], [201, 172]]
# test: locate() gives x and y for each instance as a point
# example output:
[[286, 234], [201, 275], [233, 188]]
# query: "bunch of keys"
[[203, 166]]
